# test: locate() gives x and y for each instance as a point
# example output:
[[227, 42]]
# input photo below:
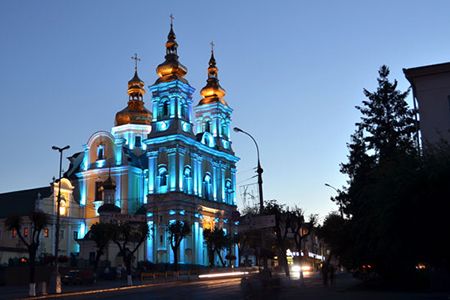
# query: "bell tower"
[[171, 94], [213, 114]]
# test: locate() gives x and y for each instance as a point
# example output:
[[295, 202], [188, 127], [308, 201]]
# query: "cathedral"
[[173, 162]]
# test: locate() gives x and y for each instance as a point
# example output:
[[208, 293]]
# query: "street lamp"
[[259, 170], [58, 207], [340, 204]]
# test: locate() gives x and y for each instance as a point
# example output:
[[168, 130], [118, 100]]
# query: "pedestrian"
[[325, 274], [332, 273]]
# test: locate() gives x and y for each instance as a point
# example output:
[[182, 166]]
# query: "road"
[[231, 289]]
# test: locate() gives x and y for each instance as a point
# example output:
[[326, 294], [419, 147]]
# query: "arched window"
[[207, 126], [207, 192], [224, 130], [165, 108], [228, 191], [162, 178], [187, 180], [100, 152]]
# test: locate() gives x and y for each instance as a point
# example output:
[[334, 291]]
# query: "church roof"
[[21, 202]]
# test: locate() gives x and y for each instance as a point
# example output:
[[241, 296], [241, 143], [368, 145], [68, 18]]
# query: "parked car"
[[78, 277]]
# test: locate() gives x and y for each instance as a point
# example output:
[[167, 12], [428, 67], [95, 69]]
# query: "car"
[[78, 277]]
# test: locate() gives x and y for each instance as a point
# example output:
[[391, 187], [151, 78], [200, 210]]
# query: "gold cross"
[[136, 59]]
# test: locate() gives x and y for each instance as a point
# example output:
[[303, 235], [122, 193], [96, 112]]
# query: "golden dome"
[[212, 92], [171, 69], [135, 112]]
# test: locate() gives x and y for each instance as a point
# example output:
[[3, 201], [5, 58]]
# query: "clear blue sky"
[[293, 71]]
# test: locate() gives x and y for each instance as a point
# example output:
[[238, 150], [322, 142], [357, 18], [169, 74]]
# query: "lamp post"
[[340, 204], [58, 206], [259, 170]]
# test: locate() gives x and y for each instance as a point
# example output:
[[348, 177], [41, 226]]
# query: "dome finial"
[[136, 60], [212, 92], [171, 68]]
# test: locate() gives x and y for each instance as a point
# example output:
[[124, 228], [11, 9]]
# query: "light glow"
[[228, 274]]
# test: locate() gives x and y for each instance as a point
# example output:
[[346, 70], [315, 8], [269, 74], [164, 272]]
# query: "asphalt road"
[[231, 289]]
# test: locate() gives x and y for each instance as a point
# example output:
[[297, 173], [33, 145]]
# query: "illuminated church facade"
[[174, 162]]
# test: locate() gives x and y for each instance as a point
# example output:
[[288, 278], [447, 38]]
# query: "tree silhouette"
[[129, 236], [101, 234], [178, 230], [37, 220]]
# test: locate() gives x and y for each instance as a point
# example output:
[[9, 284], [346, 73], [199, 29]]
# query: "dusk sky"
[[293, 72]]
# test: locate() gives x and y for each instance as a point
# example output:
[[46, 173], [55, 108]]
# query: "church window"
[[162, 176], [61, 233], [75, 235], [228, 191], [46, 232], [25, 232], [13, 233], [207, 187], [100, 152], [207, 126], [187, 180], [98, 191], [224, 131], [165, 110], [161, 239], [137, 141]]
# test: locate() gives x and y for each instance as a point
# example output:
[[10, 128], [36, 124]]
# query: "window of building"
[[13, 233], [207, 186], [228, 191], [25, 231], [161, 239], [207, 126], [61, 234], [46, 232], [62, 208], [165, 108], [187, 180], [137, 141], [162, 176], [75, 234], [100, 152], [98, 191]]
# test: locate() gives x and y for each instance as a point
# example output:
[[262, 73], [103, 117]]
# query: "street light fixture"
[[259, 170], [340, 204], [58, 207]]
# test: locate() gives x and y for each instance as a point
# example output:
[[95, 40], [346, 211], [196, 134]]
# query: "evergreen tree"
[[387, 121]]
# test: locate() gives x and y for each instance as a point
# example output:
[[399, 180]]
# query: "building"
[[45, 199], [174, 162], [431, 89]]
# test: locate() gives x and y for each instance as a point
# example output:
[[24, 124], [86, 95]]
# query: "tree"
[[389, 123], [215, 241], [282, 228], [178, 230], [101, 234], [129, 236], [382, 163], [38, 220]]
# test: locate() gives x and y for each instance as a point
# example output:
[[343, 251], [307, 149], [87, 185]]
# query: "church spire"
[[135, 112], [171, 69], [212, 92], [136, 89]]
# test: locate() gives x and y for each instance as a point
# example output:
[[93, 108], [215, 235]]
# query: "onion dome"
[[135, 112], [108, 208], [171, 69], [212, 92]]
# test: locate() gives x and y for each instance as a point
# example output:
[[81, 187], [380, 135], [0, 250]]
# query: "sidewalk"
[[21, 292]]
